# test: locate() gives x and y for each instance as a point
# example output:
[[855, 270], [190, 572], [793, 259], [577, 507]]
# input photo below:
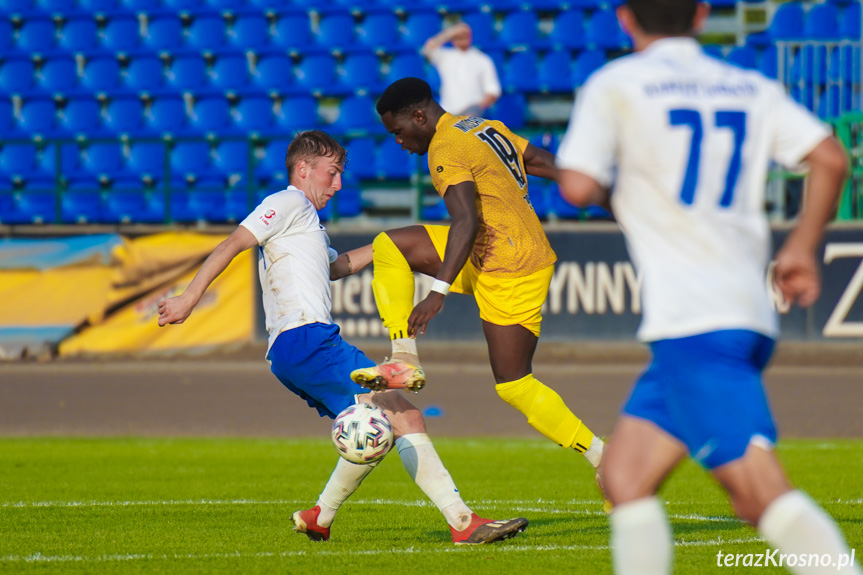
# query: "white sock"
[[346, 478], [594, 453], [423, 464], [405, 349], [796, 525], [641, 538]]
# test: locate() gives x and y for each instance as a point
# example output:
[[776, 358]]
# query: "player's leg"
[[397, 255], [423, 464]]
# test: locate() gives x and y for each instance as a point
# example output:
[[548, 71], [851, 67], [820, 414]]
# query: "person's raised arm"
[[460, 200], [443, 37], [796, 270], [351, 262], [177, 309]]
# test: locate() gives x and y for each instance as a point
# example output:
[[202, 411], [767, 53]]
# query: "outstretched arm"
[[581, 190], [460, 201], [796, 271], [443, 37], [351, 262], [177, 309]]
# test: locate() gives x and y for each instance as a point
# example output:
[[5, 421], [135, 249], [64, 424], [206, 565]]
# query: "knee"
[[623, 484]]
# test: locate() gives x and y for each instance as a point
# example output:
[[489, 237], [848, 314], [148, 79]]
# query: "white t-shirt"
[[293, 261], [686, 140], [466, 76]]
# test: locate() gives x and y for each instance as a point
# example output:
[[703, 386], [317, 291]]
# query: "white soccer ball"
[[362, 434]]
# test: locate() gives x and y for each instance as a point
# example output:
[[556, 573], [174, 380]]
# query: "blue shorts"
[[315, 362], [706, 391]]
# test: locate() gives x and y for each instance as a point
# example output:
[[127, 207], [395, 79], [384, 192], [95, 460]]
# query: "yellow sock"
[[546, 412], [393, 285]]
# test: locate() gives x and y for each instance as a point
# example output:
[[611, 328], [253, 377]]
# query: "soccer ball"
[[362, 434]]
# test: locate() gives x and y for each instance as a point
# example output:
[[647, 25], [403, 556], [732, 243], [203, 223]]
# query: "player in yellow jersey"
[[495, 249]]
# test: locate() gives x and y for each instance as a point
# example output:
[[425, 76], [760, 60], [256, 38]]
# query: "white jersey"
[[467, 76], [685, 140], [293, 261]]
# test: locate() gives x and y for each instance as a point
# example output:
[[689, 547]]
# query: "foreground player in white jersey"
[[306, 352], [685, 140]]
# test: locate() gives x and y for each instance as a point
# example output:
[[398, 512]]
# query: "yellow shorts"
[[501, 301]]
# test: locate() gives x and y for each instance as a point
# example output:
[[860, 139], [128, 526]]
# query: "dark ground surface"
[[815, 391]]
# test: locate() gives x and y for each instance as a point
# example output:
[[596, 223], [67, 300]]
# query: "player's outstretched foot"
[[306, 521], [606, 503], [483, 531], [392, 374]]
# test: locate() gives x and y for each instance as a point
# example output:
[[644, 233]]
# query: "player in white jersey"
[[684, 140], [306, 352]]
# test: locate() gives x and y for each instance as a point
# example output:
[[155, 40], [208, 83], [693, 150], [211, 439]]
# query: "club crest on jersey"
[[268, 215]]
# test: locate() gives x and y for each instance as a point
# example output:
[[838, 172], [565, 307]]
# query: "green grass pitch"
[[224, 506]]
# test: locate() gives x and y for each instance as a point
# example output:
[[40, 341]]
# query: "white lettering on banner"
[[836, 325], [594, 288]]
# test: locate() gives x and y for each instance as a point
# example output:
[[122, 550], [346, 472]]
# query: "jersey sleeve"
[[590, 141], [798, 131], [448, 166], [270, 217]]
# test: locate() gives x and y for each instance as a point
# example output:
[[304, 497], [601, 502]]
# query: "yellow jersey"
[[510, 241]]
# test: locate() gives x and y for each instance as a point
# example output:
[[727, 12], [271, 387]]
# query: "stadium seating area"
[[180, 110]]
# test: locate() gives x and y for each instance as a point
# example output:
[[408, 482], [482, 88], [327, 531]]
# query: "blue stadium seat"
[[554, 73], [249, 32], [37, 116], [298, 113], [849, 22], [182, 4], [101, 74], [187, 73], [788, 22], [5, 36], [804, 94], [845, 65], [743, 56], [393, 162], [35, 205], [206, 33], [403, 65], [81, 203], [164, 33], [810, 65], [482, 26], [335, 31], [520, 72], [36, 36], [68, 160], [120, 34], [146, 159], [103, 159], [60, 6], [81, 116], [317, 73], [78, 34], [140, 5], [361, 158], [356, 113], [97, 5], [145, 73], [128, 202], [190, 158], [16, 76], [6, 123], [511, 109], [229, 73], [519, 29], [274, 72], [822, 23], [232, 157], [210, 114], [768, 62], [434, 211], [16, 5], [595, 212], [714, 50], [166, 114], [292, 31], [18, 161], [537, 192], [379, 31], [237, 205], [419, 27], [348, 200], [273, 162], [361, 72], [254, 114], [586, 63], [603, 31], [58, 75], [124, 115]]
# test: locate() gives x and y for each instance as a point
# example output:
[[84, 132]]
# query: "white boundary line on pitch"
[[39, 558]]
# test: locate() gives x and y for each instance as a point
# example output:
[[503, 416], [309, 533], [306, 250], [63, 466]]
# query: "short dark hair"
[[404, 94], [664, 17], [311, 145]]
